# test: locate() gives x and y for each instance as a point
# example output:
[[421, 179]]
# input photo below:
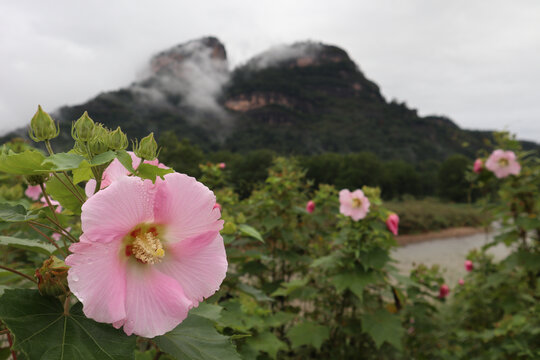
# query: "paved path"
[[449, 253]]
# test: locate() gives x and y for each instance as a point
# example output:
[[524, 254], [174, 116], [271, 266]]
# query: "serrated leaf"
[[279, 318], [308, 333], [383, 326], [63, 161], [327, 262], [42, 331], [208, 311], [147, 171], [375, 259], [355, 281], [103, 158], [196, 339], [267, 342], [65, 197], [26, 163], [15, 213], [27, 244], [250, 231], [286, 288]]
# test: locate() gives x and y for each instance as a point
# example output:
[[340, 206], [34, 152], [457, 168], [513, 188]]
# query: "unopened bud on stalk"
[[147, 148], [117, 140], [34, 180], [52, 277], [42, 126], [83, 128], [98, 144]]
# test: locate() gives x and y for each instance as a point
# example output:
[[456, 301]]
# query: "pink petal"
[[199, 264], [113, 212], [155, 302], [186, 207], [98, 279], [33, 192]]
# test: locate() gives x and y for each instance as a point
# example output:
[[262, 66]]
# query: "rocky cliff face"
[[302, 98]]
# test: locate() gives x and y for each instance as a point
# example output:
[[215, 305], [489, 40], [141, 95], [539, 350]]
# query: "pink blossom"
[[58, 208], [461, 282], [310, 206], [503, 163], [478, 165], [444, 290], [116, 170], [57, 236], [148, 253], [469, 265], [355, 204], [217, 206], [392, 223], [33, 192], [222, 165]]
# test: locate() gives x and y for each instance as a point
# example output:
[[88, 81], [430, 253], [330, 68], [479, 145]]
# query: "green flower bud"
[[98, 146], [147, 148], [34, 180], [52, 277], [83, 128], [229, 228], [42, 126], [118, 140]]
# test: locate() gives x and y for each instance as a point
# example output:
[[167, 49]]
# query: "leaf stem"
[[48, 238], [72, 190], [48, 201], [10, 341], [18, 273], [66, 304], [66, 233]]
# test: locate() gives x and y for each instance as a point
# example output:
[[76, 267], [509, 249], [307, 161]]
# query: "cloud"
[[282, 53]]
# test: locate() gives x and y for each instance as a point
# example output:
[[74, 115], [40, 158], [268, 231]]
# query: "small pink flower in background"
[[503, 163], [33, 192], [478, 165], [217, 206], [222, 165], [410, 330], [469, 265], [148, 253], [58, 208], [392, 223], [116, 171], [461, 282], [57, 236], [354, 204], [444, 290], [310, 206]]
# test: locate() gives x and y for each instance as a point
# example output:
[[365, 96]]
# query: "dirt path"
[[448, 252]]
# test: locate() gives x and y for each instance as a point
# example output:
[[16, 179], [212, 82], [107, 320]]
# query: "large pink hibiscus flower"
[[503, 163], [148, 254], [354, 204]]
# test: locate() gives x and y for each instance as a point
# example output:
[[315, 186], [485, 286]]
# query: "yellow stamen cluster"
[[147, 248], [356, 203], [503, 162]]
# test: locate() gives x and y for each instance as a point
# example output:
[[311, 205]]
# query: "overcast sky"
[[477, 62]]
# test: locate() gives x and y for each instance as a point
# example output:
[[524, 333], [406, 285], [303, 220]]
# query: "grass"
[[420, 216]]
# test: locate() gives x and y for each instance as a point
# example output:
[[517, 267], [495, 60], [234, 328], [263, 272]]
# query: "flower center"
[[145, 246], [356, 203], [503, 162]]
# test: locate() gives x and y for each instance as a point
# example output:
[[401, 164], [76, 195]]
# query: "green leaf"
[[41, 330], [26, 163], [63, 161], [250, 231], [27, 244], [383, 326], [286, 288], [208, 311], [355, 281], [65, 197], [103, 158], [196, 339], [258, 294], [267, 342], [126, 160], [327, 262], [82, 174], [308, 333], [147, 171], [15, 213], [375, 259]]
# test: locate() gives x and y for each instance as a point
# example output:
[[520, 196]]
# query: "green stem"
[[66, 304], [48, 201], [18, 273], [71, 190], [48, 238], [49, 148], [65, 232]]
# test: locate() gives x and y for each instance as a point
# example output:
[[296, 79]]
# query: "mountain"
[[304, 98]]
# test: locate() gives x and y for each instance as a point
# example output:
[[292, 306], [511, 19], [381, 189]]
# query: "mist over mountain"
[[304, 98]]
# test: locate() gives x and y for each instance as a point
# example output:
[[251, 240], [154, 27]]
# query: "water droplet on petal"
[[74, 277]]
